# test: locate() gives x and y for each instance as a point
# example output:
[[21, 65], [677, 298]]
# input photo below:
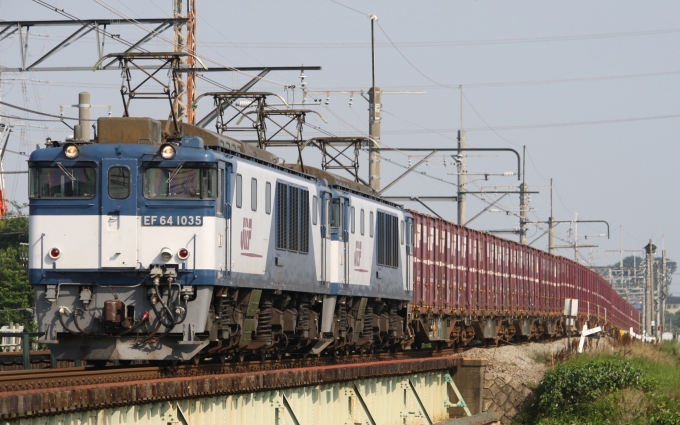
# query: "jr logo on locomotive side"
[[246, 233]]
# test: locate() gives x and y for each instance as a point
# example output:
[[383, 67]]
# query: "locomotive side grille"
[[395, 239], [387, 223], [294, 219], [381, 239], [281, 216], [388, 240], [304, 221]]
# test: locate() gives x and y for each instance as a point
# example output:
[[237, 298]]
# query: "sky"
[[590, 88]]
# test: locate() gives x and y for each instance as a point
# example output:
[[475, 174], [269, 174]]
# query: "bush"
[[672, 349], [15, 292], [571, 385]]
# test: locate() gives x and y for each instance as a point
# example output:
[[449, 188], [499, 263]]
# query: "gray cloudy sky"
[[591, 89]]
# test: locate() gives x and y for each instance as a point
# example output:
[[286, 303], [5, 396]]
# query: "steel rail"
[[36, 379]]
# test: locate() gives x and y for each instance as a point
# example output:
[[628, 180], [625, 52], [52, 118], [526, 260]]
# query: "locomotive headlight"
[[71, 151], [183, 253], [167, 151], [166, 254], [54, 253]]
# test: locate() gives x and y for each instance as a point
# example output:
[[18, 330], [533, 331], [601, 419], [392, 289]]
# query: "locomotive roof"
[[332, 179], [133, 130]]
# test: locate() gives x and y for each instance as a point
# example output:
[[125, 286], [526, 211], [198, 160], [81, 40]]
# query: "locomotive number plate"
[[172, 220]]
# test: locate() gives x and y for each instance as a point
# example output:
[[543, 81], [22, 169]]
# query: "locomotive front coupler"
[[184, 293]]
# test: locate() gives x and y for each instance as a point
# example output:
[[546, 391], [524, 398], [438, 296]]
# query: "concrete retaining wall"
[[504, 395]]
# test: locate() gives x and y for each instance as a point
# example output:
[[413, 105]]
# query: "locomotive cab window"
[[119, 182], [220, 200], [62, 182], [180, 183], [335, 213]]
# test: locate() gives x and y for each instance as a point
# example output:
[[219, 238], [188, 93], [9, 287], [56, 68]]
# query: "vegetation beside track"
[[16, 294], [632, 384]]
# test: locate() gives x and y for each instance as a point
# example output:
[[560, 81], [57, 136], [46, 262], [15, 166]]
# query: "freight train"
[[147, 245]]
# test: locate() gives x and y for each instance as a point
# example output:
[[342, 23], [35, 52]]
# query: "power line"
[[533, 126], [143, 27], [442, 43], [38, 113]]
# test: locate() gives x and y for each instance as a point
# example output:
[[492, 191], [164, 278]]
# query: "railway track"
[[83, 376], [27, 380]]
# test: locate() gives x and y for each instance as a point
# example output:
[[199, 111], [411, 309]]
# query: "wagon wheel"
[[509, 332], [467, 335]]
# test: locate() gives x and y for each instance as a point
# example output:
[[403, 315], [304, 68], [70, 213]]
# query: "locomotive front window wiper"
[[69, 175], [174, 173]]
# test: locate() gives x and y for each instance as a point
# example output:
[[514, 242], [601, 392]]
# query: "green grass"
[[541, 357], [638, 384]]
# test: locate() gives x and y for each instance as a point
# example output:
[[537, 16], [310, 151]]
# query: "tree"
[[16, 295], [674, 319]]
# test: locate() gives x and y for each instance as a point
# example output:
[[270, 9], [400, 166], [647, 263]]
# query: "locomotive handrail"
[[173, 205], [51, 205], [194, 271], [42, 256]]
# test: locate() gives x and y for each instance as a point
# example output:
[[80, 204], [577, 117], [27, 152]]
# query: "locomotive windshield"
[[180, 183], [62, 182]]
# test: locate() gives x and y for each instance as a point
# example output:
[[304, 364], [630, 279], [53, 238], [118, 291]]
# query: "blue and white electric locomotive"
[[149, 246]]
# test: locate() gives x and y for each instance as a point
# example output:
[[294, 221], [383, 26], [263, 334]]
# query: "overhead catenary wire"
[[149, 31], [38, 113], [161, 37]]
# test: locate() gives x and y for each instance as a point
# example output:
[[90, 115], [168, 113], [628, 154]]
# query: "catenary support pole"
[[84, 115], [664, 288], [523, 204], [462, 167], [551, 225], [374, 119], [649, 296]]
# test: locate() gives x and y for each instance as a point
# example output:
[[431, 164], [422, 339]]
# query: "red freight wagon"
[[471, 284]]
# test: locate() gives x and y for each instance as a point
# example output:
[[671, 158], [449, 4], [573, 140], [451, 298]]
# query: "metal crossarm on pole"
[[84, 26], [519, 162], [405, 173]]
